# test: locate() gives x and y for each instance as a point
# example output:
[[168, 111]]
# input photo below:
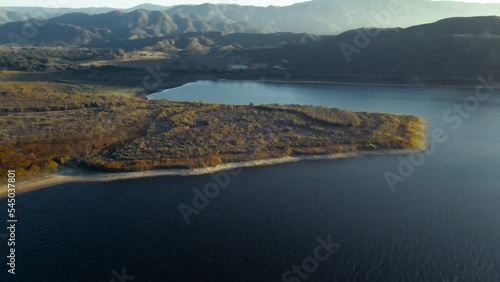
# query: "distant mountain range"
[[14, 14], [78, 29], [317, 16], [448, 51]]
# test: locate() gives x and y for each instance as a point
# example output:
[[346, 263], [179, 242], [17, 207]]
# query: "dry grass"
[[198, 135], [46, 124]]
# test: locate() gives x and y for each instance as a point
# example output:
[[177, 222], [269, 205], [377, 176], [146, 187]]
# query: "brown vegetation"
[[199, 135], [48, 124]]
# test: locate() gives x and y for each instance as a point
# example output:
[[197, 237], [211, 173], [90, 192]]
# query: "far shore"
[[76, 175]]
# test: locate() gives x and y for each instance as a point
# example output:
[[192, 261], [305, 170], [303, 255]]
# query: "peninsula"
[[49, 124]]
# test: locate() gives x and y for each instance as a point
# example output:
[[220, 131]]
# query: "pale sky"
[[131, 3]]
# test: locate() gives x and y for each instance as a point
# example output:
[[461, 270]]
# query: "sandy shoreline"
[[68, 175]]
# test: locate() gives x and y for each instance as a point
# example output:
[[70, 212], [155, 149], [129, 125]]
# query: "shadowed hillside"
[[317, 16], [79, 29], [450, 50], [423, 54]]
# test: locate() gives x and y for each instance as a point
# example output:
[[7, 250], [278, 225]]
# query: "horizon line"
[[236, 4]]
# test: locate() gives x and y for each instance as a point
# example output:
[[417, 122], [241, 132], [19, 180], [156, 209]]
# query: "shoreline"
[[362, 83], [318, 82], [69, 175]]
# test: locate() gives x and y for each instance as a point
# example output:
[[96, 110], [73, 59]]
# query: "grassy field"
[[89, 82], [99, 80], [48, 124]]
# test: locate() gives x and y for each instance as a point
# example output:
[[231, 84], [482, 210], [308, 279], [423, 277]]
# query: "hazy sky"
[[130, 3]]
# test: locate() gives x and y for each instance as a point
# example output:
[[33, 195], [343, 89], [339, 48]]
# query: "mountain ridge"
[[116, 25], [318, 16]]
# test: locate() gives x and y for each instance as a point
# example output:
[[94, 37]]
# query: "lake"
[[279, 223]]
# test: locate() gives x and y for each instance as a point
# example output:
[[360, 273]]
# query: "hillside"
[[14, 14], [209, 41], [337, 16], [417, 55], [423, 52], [80, 28], [317, 16]]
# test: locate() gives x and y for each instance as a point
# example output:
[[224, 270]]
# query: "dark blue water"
[[441, 224]]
